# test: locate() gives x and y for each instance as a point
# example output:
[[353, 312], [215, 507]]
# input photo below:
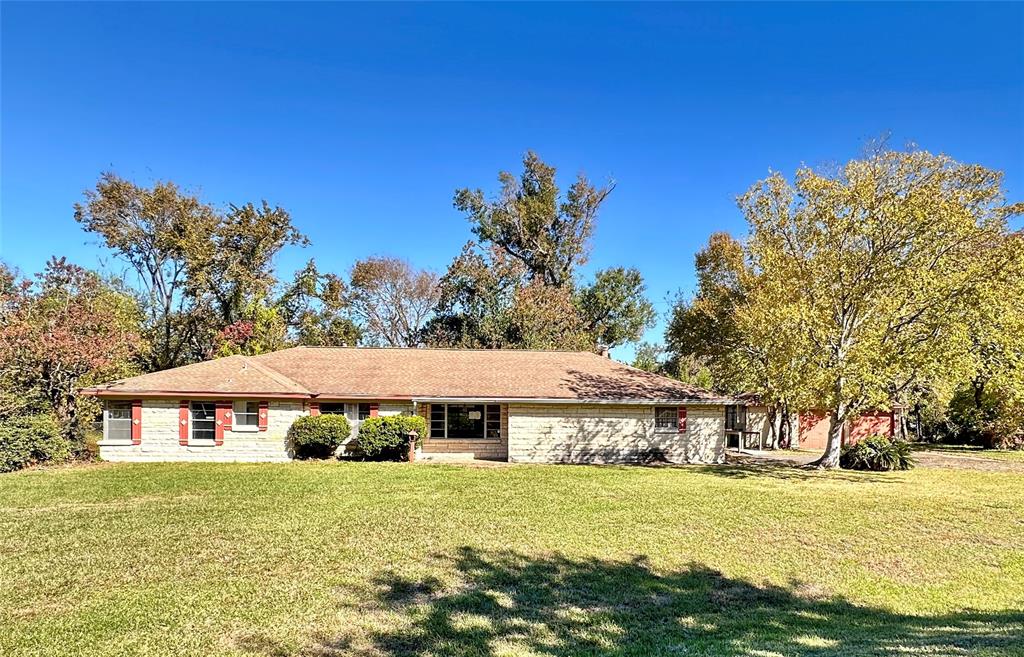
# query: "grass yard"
[[1013, 455], [392, 559]]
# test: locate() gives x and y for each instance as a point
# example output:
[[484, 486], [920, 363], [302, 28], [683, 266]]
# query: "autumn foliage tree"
[[874, 268], [64, 330], [517, 287]]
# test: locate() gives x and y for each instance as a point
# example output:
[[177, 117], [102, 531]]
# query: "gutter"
[[562, 400]]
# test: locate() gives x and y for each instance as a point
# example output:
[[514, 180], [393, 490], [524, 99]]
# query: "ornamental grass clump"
[[877, 453]]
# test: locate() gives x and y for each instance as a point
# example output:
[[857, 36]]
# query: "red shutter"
[[222, 415], [374, 409], [183, 422], [682, 419], [264, 413], [314, 408], [136, 421]]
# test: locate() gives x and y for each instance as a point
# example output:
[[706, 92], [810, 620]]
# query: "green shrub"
[[318, 436], [386, 437], [877, 453], [29, 439]]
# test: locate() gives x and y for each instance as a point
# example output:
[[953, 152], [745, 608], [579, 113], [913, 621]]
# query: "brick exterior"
[[577, 433], [492, 450], [599, 433], [159, 440]]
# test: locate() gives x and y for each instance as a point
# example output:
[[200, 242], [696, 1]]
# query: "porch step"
[[445, 457]]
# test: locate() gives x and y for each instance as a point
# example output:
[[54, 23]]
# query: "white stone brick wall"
[[593, 433], [160, 437]]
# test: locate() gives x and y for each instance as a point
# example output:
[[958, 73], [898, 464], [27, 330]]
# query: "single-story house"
[[508, 405]]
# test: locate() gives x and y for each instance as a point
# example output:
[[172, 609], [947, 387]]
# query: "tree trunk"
[[836, 423], [787, 433]]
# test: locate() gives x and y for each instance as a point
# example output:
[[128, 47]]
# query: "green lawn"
[[1016, 455], [393, 559]]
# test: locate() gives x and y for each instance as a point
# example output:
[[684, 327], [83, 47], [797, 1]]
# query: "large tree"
[[614, 307], [742, 345], [200, 269], [532, 222], [391, 300], [315, 307], [66, 329], [873, 266]]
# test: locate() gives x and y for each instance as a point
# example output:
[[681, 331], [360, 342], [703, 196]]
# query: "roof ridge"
[[274, 374], [481, 349]]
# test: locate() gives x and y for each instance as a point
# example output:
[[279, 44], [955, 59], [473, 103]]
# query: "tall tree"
[[392, 300], [201, 270], [741, 346], [614, 308], [531, 222], [164, 235], [475, 296], [877, 262], [241, 268], [315, 307], [67, 329]]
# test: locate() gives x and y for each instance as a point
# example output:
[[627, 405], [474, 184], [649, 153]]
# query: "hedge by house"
[[318, 436], [387, 437], [30, 439]]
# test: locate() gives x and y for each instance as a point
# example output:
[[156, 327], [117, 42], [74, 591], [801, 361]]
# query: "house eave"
[[576, 400], [188, 394]]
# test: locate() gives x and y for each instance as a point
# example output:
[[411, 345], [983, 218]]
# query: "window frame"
[[332, 408], [739, 417], [671, 428], [192, 439], [107, 407], [490, 418], [244, 404]]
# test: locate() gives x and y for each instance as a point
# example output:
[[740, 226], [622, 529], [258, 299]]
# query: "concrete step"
[[445, 457]]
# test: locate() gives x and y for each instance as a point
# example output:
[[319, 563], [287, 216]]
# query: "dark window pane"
[[364, 411], [465, 420], [203, 420], [332, 408], [493, 421], [437, 420]]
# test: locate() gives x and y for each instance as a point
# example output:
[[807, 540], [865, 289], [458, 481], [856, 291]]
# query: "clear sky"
[[362, 120]]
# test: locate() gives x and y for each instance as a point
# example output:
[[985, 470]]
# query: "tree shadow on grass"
[[506, 603]]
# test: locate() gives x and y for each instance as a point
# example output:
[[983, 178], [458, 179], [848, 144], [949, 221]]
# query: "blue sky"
[[362, 120]]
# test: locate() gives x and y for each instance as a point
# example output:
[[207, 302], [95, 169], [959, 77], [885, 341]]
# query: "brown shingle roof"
[[349, 373]]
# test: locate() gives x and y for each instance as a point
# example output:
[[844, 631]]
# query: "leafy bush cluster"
[[318, 436], [29, 439], [877, 453], [387, 437]]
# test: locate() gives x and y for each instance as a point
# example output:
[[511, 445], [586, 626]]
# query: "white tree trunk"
[[836, 423]]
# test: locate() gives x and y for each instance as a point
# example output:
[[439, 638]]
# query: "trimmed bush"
[[318, 436], [30, 439], [877, 453], [386, 437]]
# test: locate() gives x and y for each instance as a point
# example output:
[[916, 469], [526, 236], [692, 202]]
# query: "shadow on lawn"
[[506, 603]]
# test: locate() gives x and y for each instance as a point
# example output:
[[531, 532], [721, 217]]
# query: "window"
[[493, 422], [666, 418], [364, 412], [204, 421], [465, 421], [437, 420], [332, 408], [247, 415], [735, 418], [119, 421]]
